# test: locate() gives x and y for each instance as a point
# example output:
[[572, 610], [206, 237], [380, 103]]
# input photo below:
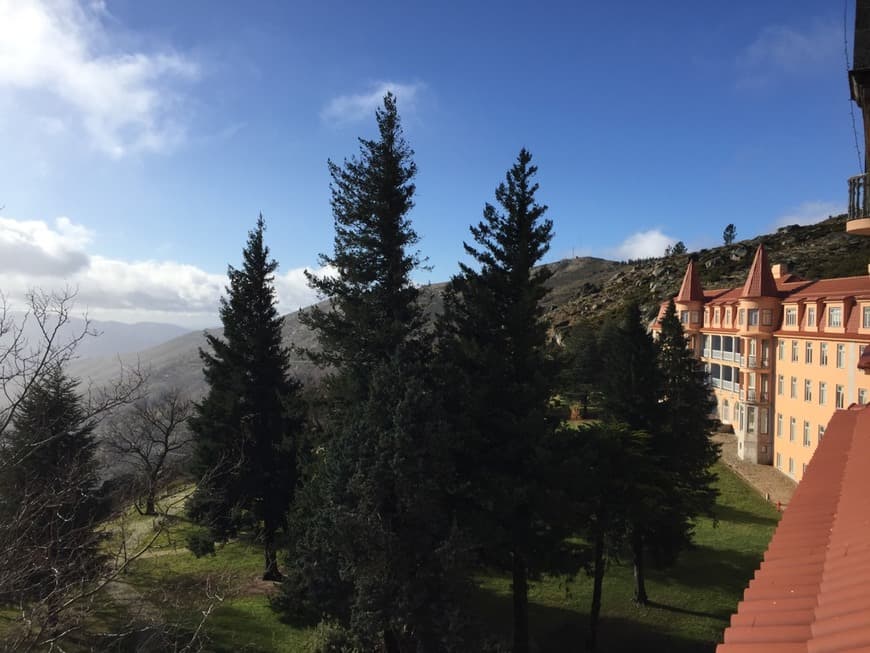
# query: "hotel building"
[[782, 354]]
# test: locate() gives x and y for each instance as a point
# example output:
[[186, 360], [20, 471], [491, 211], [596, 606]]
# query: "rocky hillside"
[[813, 251]]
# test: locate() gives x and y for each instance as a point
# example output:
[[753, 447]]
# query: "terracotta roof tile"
[[811, 593], [760, 282]]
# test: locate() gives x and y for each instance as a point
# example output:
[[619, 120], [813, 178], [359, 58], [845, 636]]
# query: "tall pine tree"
[[246, 428], [632, 388], [682, 441], [495, 339], [376, 549]]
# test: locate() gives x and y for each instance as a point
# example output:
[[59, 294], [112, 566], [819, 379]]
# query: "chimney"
[[779, 270]]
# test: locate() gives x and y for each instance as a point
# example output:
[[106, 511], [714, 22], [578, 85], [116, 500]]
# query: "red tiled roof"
[[834, 288], [812, 591], [690, 290], [760, 282]]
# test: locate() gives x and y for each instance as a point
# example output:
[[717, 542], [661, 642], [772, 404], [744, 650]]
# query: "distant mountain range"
[[581, 288], [112, 338]]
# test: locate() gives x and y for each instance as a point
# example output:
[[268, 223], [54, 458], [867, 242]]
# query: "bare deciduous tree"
[[152, 437]]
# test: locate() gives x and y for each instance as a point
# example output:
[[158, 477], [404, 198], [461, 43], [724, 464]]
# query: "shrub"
[[200, 543]]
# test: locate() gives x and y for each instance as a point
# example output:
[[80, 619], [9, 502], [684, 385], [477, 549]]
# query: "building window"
[[715, 317], [779, 425], [793, 388], [862, 396], [840, 397], [780, 385], [779, 461], [794, 351], [808, 353], [806, 434], [823, 353], [791, 317], [684, 317], [792, 426], [865, 317], [821, 432], [841, 356], [835, 316], [808, 390], [823, 393], [766, 316], [706, 317], [791, 466], [811, 316], [741, 316], [804, 469], [695, 316], [753, 317]]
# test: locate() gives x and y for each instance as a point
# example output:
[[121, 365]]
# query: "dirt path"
[[770, 483]]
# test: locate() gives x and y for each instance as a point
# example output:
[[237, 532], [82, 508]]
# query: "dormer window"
[[811, 316], [706, 317], [728, 317], [715, 317], [865, 317], [791, 316], [741, 316], [835, 316]]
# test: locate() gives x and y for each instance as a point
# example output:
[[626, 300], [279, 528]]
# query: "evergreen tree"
[[246, 428], [48, 492], [495, 341], [630, 379], [729, 234], [662, 390], [682, 441], [376, 549], [632, 388]]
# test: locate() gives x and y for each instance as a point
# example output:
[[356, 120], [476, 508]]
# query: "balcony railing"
[[858, 204]]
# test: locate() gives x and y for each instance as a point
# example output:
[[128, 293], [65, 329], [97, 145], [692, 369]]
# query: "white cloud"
[[643, 244], [60, 49], [34, 253], [347, 109], [810, 213], [32, 247], [783, 50]]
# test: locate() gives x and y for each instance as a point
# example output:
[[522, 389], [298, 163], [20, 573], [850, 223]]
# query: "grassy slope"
[[693, 601]]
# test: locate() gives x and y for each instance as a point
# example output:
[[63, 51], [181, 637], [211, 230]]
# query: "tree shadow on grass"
[[737, 516], [715, 570], [555, 629]]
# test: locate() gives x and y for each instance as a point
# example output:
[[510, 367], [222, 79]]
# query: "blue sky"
[[141, 139]]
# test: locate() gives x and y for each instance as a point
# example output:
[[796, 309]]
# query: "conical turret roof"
[[760, 281], [690, 290]]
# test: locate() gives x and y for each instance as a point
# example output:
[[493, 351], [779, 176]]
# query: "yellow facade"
[[782, 354]]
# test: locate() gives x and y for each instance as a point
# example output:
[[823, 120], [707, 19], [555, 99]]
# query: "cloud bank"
[[810, 213], [34, 253], [58, 57], [643, 244], [348, 109], [784, 50]]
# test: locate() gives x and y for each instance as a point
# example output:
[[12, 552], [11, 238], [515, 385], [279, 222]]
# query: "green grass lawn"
[[692, 602]]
